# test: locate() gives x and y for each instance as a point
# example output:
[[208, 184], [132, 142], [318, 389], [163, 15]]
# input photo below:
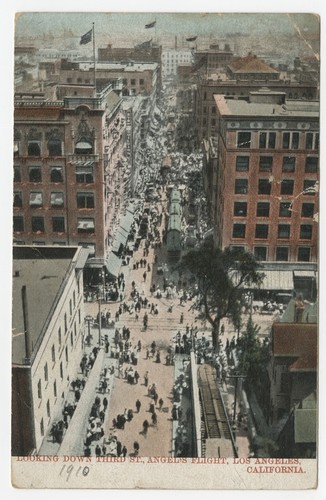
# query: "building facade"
[[65, 168], [266, 197], [47, 338]]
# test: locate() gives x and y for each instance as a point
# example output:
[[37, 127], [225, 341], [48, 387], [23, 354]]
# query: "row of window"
[[262, 231], [290, 140], [266, 164], [84, 200], [282, 253], [83, 174], [241, 186], [84, 225], [263, 209], [54, 148]]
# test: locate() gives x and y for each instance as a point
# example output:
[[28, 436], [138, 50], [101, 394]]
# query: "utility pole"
[[99, 322]]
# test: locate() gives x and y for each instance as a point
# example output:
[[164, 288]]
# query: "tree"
[[220, 276]]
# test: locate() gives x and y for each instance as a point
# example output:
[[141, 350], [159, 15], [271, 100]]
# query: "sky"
[[36, 23]]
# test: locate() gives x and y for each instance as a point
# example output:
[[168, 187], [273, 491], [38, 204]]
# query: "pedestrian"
[[98, 450], [145, 427], [146, 379], [104, 450], [181, 318], [154, 419], [160, 404], [124, 451], [138, 405], [144, 275], [119, 448], [136, 445], [152, 408]]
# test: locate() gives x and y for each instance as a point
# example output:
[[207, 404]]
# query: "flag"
[[150, 25], [86, 38], [191, 39]]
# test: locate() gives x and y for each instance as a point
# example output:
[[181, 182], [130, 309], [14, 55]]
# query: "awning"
[[304, 274], [83, 163], [126, 222], [86, 224], [83, 145], [113, 265], [277, 280], [119, 239]]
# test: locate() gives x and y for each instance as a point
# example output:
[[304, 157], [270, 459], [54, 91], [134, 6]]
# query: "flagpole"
[[94, 56]]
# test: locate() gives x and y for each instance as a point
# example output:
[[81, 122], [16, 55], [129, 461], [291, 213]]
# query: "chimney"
[[26, 325]]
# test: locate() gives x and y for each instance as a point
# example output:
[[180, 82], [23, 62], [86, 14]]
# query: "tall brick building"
[[265, 198], [66, 159]]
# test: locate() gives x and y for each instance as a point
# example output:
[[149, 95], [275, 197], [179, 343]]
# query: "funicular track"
[[215, 424]]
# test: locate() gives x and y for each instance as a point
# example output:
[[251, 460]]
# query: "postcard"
[[165, 250]]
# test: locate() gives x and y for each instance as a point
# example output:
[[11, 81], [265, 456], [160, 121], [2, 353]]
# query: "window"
[[213, 110], [264, 186], [242, 164], [141, 81], [57, 200], [288, 164], [38, 224], [46, 372], [285, 209], [86, 225], [262, 209], [48, 411], [261, 231], [34, 148], [56, 174], [244, 139], [65, 322], [312, 140], [240, 209], [35, 200], [53, 351], [304, 254], [61, 370], [39, 389], [305, 231], [283, 231], [18, 200], [287, 186], [267, 140], [59, 336], [17, 174], [70, 307], [307, 210], [282, 253], [311, 165], [55, 388], [84, 175], [309, 187], [213, 122], [290, 140], [74, 298], [239, 231], [133, 81], [58, 224], [16, 148], [66, 354], [265, 163], [35, 174], [260, 253], [55, 148], [85, 200], [79, 316], [18, 223], [241, 186]]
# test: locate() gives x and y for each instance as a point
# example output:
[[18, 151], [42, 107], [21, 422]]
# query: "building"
[[67, 168], [143, 52], [137, 78], [293, 383], [237, 80], [217, 56], [173, 58], [47, 337], [266, 197]]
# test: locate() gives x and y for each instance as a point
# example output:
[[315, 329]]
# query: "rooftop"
[[239, 107], [250, 64], [298, 341], [43, 270]]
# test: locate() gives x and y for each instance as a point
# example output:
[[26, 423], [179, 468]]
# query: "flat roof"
[[240, 107], [43, 271]]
